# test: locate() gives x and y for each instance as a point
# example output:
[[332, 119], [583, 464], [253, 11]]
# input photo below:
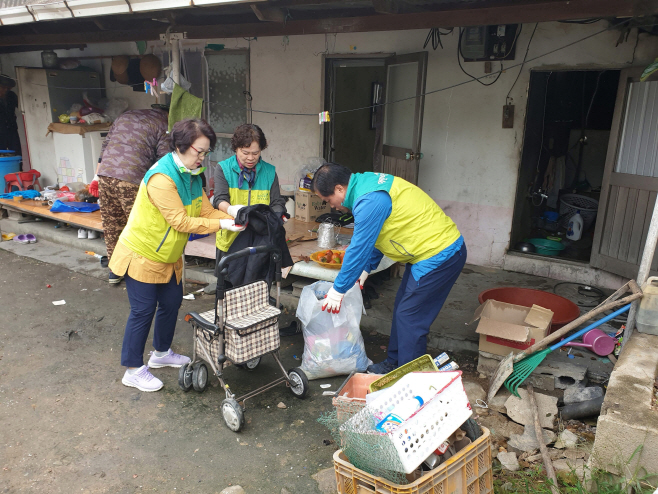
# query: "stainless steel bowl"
[[525, 247]]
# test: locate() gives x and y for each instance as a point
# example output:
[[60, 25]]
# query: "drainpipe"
[[643, 273]]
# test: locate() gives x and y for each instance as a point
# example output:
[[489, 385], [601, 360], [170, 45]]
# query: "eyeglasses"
[[202, 154]]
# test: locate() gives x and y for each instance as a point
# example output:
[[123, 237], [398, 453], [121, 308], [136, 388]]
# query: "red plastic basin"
[[564, 310]]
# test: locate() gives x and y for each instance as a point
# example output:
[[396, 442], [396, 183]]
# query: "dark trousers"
[[144, 299], [417, 304]]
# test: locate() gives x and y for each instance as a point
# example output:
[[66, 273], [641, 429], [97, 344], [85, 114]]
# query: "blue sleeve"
[[375, 259], [370, 211]]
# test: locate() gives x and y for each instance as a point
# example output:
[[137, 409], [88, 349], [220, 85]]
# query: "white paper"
[[325, 386], [59, 302]]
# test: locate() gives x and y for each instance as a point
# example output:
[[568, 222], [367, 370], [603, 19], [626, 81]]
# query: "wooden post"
[[643, 272], [548, 465], [175, 60]]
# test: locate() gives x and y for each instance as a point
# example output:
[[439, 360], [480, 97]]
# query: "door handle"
[[413, 156]]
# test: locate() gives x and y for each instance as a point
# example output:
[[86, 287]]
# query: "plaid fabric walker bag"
[[251, 324]]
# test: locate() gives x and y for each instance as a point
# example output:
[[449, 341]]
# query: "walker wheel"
[[185, 377], [200, 377], [298, 382], [249, 364], [233, 414]]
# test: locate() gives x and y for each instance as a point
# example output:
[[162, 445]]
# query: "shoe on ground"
[[82, 233], [142, 380], [381, 368], [171, 359], [114, 279], [92, 234]]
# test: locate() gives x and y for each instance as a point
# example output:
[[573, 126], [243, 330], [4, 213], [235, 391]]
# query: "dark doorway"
[[568, 123], [349, 138]]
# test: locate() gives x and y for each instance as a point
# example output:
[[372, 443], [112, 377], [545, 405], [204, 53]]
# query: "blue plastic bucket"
[[8, 164]]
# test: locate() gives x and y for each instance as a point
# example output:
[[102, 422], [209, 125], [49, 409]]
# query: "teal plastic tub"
[[547, 247], [8, 164]]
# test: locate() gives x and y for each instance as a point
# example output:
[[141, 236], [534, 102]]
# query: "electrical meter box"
[[486, 43]]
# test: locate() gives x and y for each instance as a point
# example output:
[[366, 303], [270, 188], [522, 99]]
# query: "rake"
[[525, 367]]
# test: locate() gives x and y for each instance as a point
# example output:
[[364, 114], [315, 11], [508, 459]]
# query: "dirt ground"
[[69, 425]]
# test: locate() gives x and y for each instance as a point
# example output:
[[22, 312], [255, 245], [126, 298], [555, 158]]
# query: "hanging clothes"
[[264, 227]]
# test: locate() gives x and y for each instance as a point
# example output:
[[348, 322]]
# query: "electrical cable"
[[596, 89], [435, 37], [522, 63], [459, 61], [426, 93]]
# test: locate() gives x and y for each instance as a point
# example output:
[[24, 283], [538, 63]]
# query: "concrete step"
[[45, 229]]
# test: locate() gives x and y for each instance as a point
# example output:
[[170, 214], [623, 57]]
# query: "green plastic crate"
[[421, 364]]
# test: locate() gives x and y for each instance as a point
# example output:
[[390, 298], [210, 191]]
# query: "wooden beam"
[[268, 14], [387, 6], [537, 11], [21, 49]]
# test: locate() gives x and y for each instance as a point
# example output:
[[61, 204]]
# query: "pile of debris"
[[510, 420]]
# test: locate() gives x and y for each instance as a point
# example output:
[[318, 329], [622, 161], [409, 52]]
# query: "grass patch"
[[534, 481]]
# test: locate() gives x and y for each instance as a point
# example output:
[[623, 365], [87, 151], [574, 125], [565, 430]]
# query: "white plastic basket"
[[417, 437], [570, 204]]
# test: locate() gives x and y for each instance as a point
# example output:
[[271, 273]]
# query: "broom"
[[525, 367]]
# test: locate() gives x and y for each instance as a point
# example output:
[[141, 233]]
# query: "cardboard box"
[[505, 328], [309, 206]]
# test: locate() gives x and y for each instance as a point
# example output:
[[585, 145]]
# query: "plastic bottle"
[[399, 414], [647, 315], [575, 229]]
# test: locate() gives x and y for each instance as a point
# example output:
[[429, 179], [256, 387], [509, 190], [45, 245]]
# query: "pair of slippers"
[[25, 239]]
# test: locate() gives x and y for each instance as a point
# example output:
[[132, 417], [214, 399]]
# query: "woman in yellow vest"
[[396, 219], [170, 205], [245, 179]]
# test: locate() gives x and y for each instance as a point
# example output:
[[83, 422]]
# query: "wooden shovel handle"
[[612, 302]]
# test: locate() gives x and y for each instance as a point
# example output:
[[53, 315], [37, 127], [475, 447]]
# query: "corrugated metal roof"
[[5, 4]]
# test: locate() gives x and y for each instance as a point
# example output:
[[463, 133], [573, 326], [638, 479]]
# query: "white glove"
[[332, 301], [230, 225], [233, 210], [285, 219], [362, 279]]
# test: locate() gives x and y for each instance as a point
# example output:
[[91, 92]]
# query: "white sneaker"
[[142, 380], [82, 233], [171, 359], [92, 234]]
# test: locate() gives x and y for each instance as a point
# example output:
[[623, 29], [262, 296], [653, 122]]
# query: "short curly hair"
[[245, 134]]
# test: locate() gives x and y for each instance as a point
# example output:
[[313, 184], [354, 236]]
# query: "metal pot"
[[525, 247]]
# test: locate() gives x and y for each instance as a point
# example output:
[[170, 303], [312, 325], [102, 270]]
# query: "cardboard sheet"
[[506, 327]]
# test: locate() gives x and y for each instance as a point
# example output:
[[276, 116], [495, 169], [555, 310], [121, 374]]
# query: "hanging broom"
[[525, 367]]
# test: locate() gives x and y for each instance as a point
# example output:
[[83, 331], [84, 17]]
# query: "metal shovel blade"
[[504, 370]]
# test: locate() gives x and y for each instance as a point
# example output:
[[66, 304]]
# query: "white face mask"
[[183, 169]]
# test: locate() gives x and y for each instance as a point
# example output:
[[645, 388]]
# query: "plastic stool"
[[23, 181]]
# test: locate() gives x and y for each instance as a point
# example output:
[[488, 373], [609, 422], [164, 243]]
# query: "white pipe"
[[643, 272], [175, 61]]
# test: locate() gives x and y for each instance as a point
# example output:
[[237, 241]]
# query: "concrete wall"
[[470, 162]]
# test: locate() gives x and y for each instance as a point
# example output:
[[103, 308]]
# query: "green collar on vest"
[[348, 202], [183, 169]]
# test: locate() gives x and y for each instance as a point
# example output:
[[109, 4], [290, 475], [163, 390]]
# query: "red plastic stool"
[[23, 181]]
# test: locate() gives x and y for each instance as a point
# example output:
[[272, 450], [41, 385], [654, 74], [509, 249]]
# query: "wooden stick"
[[548, 465], [574, 324]]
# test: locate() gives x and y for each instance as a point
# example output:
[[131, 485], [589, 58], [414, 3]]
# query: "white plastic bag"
[[333, 344]]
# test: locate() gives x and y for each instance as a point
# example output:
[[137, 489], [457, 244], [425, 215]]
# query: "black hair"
[[185, 132], [328, 176]]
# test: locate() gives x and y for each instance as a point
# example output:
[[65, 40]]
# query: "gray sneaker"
[[170, 360], [142, 380]]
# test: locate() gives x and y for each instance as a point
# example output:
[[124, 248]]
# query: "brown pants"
[[116, 198]]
